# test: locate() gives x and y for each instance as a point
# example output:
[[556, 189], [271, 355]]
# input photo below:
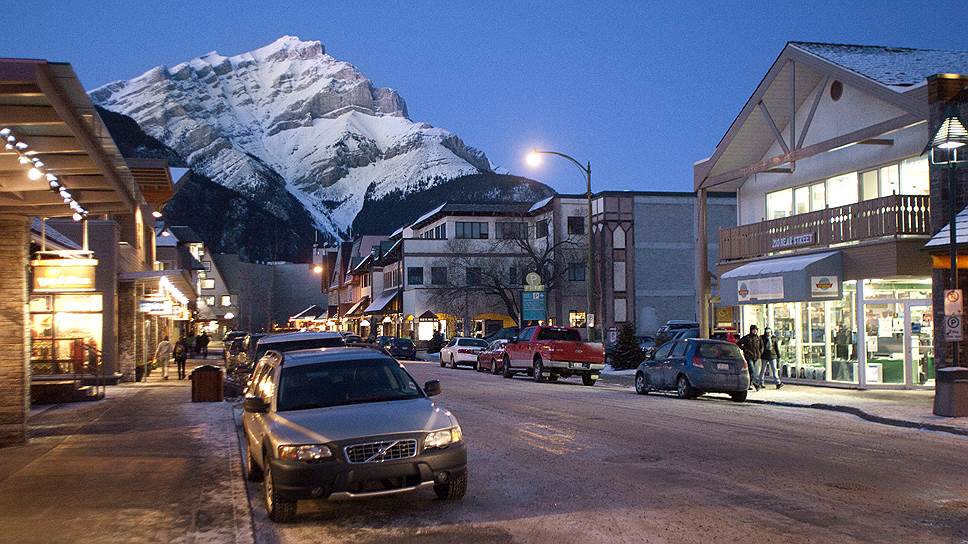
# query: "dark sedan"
[[692, 367], [401, 348]]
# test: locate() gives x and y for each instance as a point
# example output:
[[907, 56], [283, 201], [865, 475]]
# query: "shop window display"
[[65, 331], [885, 343]]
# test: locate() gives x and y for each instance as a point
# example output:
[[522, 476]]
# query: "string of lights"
[[38, 170]]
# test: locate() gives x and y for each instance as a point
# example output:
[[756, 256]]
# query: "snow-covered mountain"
[[289, 117]]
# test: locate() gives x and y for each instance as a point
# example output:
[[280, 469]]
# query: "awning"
[[428, 317], [356, 309], [941, 241], [379, 305], [817, 276], [309, 313]]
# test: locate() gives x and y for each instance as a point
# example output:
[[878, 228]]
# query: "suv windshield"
[[568, 335], [343, 382], [313, 343], [716, 350]]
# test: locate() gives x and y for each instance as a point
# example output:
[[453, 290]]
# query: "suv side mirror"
[[513, 340], [432, 388], [255, 405]]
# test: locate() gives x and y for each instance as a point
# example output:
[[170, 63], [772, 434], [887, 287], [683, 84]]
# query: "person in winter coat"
[[752, 346], [180, 354], [202, 344], [163, 356], [770, 358]]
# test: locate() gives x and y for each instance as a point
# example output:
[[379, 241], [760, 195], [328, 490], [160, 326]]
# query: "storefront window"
[[884, 324], [842, 190], [843, 336], [65, 332], [922, 344], [914, 176], [915, 288]]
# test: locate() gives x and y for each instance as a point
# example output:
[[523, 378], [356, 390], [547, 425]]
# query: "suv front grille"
[[377, 452]]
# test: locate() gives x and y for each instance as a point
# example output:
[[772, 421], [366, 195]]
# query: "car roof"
[[297, 336], [329, 355]]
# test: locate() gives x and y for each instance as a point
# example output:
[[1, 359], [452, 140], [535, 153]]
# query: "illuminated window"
[[576, 318], [208, 283], [226, 300]]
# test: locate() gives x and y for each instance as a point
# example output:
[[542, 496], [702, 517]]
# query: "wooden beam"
[[49, 144], [793, 104], [54, 163], [877, 141], [18, 181], [19, 89], [813, 110], [776, 131], [28, 115], [815, 149]]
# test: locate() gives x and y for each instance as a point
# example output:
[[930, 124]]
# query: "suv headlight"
[[444, 438], [306, 453]]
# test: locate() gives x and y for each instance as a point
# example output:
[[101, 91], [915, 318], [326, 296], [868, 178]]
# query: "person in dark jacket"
[[202, 343], [180, 354], [752, 346], [770, 357]]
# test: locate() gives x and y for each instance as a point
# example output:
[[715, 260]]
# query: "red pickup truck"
[[550, 352]]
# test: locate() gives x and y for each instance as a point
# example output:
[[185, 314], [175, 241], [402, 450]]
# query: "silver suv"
[[340, 423]]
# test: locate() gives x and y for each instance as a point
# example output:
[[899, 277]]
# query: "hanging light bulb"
[[34, 174], [21, 146], [23, 160], [54, 184], [38, 163], [8, 147], [51, 177], [11, 139], [77, 217], [4, 131]]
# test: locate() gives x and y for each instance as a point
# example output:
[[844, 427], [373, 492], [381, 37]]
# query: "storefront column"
[[126, 326], [861, 348], [15, 339]]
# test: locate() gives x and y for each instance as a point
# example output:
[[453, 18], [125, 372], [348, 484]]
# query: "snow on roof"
[[940, 240], [540, 204], [894, 66], [429, 214]]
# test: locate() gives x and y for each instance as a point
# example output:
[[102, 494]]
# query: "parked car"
[[227, 343], [553, 352], [292, 341], [402, 348], [692, 367], [352, 338], [667, 331], [232, 352], [247, 358], [383, 340], [461, 350], [647, 345], [491, 359], [685, 334], [347, 423]]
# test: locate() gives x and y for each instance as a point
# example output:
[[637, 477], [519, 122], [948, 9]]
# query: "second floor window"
[[541, 229], [511, 231], [471, 230], [415, 275], [576, 272], [576, 225], [438, 275], [208, 283], [513, 275], [226, 300], [473, 276]]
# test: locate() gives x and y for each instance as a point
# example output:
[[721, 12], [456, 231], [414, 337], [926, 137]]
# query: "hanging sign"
[[953, 302], [791, 241], [824, 286], [63, 275], [155, 307], [952, 328], [533, 307], [760, 289]]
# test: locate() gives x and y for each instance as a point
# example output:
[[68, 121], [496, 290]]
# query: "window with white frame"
[[620, 307], [618, 275], [226, 300], [618, 238]]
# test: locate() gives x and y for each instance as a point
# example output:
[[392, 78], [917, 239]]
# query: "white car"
[[461, 350]]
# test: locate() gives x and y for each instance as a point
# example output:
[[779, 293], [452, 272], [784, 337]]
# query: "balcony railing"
[[894, 215]]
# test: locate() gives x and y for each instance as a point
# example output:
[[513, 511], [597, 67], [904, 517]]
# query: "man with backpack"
[[180, 354], [752, 346]]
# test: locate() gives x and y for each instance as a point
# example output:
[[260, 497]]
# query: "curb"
[[623, 381]]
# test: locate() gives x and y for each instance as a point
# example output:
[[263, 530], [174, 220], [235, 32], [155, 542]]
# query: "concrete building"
[[835, 201]]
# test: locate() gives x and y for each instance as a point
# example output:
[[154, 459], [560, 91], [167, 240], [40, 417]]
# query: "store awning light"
[[37, 170]]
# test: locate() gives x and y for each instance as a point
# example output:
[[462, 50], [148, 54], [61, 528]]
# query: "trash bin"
[[951, 392], [207, 384]]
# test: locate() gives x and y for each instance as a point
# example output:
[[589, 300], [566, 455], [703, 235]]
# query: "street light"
[[948, 142], [534, 160]]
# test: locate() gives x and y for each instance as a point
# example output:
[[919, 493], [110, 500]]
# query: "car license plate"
[[585, 365], [722, 366]]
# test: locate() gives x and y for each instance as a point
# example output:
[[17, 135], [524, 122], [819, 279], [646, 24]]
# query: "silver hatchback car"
[[340, 423]]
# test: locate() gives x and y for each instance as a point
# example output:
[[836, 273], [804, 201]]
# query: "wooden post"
[[702, 265]]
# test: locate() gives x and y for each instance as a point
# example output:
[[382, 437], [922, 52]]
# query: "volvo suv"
[[343, 423]]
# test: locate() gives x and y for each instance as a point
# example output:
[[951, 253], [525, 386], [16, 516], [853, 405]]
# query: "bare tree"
[[489, 274]]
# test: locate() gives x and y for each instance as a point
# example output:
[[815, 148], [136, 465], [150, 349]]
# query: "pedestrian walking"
[[770, 358], [752, 346], [180, 354], [163, 356], [202, 344], [190, 341]]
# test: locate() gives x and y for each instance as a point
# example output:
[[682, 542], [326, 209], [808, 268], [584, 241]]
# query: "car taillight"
[[697, 361], [465, 351]]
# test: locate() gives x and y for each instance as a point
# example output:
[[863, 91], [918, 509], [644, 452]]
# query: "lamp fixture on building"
[[38, 170]]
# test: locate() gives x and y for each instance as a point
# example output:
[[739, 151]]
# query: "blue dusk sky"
[[641, 89]]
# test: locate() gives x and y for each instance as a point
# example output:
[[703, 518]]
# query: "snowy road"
[[564, 463]]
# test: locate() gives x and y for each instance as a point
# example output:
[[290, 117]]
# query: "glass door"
[[921, 348]]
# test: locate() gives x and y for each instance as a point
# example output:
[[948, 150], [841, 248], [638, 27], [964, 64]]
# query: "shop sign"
[[760, 289], [533, 307], [952, 328], [724, 316], [155, 307], [793, 240], [63, 275], [953, 302], [824, 286]]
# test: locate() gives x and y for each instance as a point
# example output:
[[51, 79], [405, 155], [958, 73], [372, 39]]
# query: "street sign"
[[533, 281], [953, 302], [952, 328], [533, 307]]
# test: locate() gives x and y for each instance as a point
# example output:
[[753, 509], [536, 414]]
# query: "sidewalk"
[[901, 408], [143, 465]]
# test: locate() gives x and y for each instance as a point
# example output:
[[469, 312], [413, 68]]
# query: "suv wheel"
[[506, 370], [683, 388], [452, 490], [253, 472], [538, 370], [641, 383], [738, 396], [587, 379], [280, 511]]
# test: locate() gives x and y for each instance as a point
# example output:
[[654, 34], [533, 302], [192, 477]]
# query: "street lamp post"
[[534, 159], [948, 141]]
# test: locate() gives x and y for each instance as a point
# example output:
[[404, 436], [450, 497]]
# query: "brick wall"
[[14, 339]]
